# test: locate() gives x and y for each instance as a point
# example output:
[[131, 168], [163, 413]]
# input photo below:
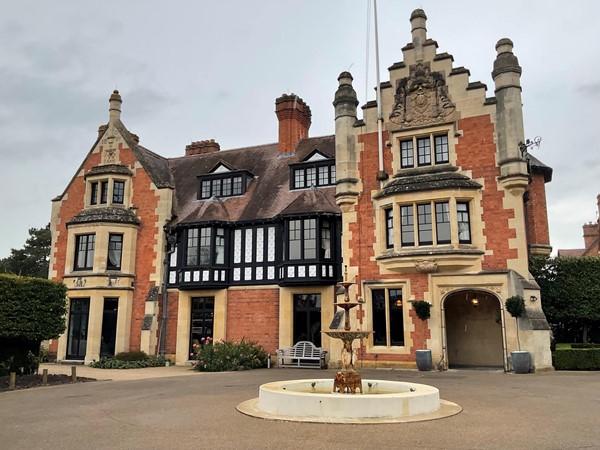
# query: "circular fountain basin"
[[381, 402]]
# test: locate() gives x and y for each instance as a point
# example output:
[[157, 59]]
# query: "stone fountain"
[[320, 400], [348, 380]]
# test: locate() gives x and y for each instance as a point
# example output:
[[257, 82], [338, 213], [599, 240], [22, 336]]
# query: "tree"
[[570, 290], [33, 259]]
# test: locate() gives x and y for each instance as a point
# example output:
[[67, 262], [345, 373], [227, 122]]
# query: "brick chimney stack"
[[294, 121], [202, 147]]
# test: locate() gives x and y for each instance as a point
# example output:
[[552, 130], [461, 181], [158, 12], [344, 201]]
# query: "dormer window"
[[224, 185], [305, 175]]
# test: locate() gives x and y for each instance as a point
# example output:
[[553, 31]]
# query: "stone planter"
[[521, 361], [424, 360]]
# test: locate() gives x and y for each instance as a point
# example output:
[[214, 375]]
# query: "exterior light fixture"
[[398, 303], [533, 298], [474, 301]]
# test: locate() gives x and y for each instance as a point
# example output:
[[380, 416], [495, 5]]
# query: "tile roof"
[[268, 194]]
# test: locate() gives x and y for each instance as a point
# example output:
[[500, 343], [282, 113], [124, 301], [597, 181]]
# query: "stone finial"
[[345, 93], [114, 111], [506, 61], [418, 21]]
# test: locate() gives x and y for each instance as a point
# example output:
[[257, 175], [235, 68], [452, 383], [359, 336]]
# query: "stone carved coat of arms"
[[421, 98]]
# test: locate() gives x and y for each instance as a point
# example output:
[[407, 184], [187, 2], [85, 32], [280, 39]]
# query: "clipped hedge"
[[113, 363], [31, 310], [577, 359]]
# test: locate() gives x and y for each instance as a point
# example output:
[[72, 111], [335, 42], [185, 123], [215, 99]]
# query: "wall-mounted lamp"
[[474, 301], [533, 298]]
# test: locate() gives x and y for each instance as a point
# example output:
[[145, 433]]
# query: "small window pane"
[[104, 192], [205, 245], [205, 189], [325, 240], [332, 176], [406, 153], [442, 220], [407, 225], [216, 187], [84, 251], [424, 151], [389, 228], [396, 317], [237, 185], [464, 227], [379, 321], [192, 247], [311, 177], [299, 178], [226, 187], [323, 175], [310, 238], [441, 149], [118, 192], [115, 251], [295, 239], [425, 225], [94, 193], [220, 246]]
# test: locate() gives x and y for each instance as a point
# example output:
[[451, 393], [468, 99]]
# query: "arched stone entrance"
[[473, 325]]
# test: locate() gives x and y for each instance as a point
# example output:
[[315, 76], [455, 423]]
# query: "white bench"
[[302, 354]]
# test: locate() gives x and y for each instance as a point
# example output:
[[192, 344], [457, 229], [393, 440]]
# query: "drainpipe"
[[162, 335]]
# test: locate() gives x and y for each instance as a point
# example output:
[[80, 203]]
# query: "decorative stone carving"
[[79, 282], [113, 281], [426, 266], [421, 98]]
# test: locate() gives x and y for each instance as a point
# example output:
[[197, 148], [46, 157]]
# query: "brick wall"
[[476, 151], [537, 213], [146, 202], [253, 314]]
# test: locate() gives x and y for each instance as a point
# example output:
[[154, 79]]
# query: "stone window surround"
[[403, 285], [414, 134], [432, 197], [110, 179]]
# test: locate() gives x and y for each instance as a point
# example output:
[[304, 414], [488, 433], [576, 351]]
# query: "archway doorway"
[[473, 330]]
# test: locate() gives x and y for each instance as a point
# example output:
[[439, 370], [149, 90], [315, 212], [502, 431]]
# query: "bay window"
[[205, 246]]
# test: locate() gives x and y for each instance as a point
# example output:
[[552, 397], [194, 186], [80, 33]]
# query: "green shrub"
[[113, 363], [131, 356], [223, 356], [577, 359]]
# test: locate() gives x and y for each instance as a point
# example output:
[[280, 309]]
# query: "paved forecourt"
[[174, 407]]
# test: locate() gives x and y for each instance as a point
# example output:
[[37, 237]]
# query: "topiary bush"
[[114, 363], [210, 356]]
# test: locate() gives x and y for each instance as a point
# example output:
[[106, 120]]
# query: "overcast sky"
[[190, 71]]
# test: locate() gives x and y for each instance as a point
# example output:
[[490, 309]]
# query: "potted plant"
[[521, 361], [423, 311]]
